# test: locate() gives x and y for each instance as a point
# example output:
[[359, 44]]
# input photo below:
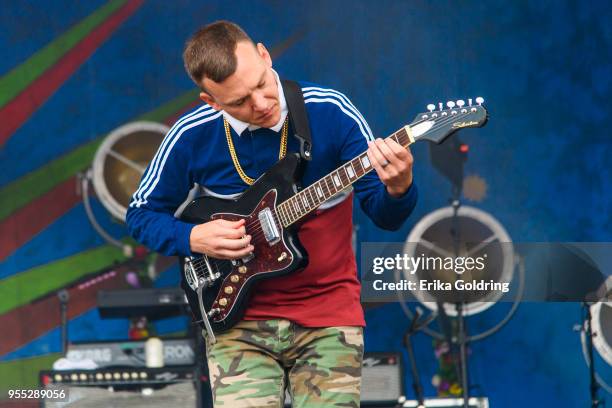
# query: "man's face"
[[250, 94]]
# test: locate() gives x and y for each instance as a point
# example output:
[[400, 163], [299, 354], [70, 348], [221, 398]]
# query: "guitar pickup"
[[268, 226]]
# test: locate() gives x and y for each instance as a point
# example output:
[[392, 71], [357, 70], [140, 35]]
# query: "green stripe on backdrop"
[[22, 75], [28, 285], [172, 107], [23, 373], [36, 183]]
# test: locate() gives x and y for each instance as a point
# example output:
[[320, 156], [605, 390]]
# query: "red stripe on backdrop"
[[43, 315], [171, 120], [16, 112], [37, 215]]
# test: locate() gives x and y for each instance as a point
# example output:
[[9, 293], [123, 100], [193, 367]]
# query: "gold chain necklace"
[[230, 144]]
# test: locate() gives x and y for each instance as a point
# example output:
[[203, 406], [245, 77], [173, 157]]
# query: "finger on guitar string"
[[397, 155], [235, 254], [233, 229], [397, 175], [388, 154], [241, 243], [402, 153], [215, 238], [229, 223], [377, 160]]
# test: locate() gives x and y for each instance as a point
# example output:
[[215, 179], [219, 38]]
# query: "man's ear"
[[263, 53], [207, 98]]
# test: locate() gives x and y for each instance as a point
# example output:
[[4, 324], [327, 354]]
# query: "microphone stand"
[[461, 339], [461, 335], [63, 297], [588, 331], [415, 326], [416, 380]]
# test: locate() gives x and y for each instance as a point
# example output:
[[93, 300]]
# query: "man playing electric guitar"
[[303, 331]]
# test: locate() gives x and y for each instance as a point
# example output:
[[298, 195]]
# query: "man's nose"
[[259, 101]]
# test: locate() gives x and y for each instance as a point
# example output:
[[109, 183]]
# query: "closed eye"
[[238, 103]]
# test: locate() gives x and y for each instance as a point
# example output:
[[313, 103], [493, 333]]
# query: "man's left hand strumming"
[[393, 164]]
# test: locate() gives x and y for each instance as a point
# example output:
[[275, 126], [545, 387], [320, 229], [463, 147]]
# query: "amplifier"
[[473, 402], [177, 352], [125, 377], [382, 381], [123, 387], [152, 303]]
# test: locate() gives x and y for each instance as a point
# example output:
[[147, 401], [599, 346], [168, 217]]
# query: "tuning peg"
[[480, 100], [469, 101], [450, 104], [460, 103], [431, 107]]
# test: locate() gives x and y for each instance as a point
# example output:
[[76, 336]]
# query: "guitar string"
[[436, 126], [257, 232], [439, 124]]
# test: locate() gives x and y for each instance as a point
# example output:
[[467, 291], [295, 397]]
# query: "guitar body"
[[227, 285]]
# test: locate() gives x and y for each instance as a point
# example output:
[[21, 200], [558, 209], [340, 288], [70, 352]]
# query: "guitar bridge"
[[268, 226], [199, 271]]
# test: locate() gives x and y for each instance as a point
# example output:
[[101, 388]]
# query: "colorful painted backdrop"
[[71, 72]]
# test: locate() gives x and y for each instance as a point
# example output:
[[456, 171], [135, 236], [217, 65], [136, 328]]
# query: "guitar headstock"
[[439, 122]]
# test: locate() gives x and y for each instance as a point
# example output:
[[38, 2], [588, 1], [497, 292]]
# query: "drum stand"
[[461, 330], [415, 326]]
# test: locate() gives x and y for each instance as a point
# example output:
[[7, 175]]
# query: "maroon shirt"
[[327, 292]]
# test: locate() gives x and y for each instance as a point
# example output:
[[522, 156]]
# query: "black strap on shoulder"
[[298, 116]]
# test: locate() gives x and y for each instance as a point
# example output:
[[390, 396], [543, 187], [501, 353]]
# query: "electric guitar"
[[218, 290]]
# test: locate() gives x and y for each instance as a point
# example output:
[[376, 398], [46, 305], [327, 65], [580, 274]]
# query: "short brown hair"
[[210, 52]]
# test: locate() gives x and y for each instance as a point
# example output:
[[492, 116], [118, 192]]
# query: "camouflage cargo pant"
[[253, 363]]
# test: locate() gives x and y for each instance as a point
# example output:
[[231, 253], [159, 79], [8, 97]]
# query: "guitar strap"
[[298, 117]]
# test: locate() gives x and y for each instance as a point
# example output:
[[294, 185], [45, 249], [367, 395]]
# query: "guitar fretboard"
[[308, 199]]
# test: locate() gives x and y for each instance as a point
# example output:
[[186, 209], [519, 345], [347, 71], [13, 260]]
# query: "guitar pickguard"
[[271, 254]]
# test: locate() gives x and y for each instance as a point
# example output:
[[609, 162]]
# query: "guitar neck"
[[308, 199]]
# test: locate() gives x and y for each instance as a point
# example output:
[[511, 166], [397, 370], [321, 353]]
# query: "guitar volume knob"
[[229, 290], [234, 278], [242, 269], [223, 302]]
